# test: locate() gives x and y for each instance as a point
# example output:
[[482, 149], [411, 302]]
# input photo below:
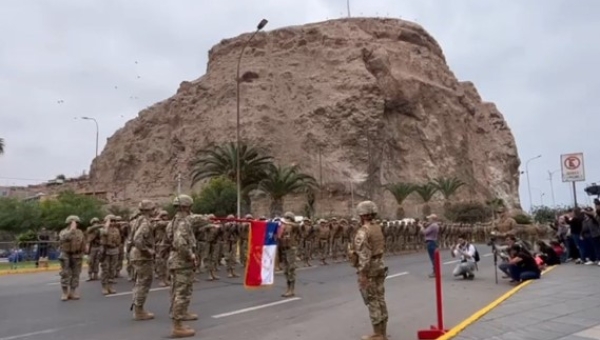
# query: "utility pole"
[[348, 6], [369, 167], [178, 184], [320, 167], [550, 174]]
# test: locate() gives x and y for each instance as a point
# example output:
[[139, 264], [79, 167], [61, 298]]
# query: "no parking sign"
[[572, 167]]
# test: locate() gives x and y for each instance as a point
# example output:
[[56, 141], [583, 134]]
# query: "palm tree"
[[426, 191], [448, 187], [400, 191], [495, 204], [1, 146], [282, 181], [220, 161]]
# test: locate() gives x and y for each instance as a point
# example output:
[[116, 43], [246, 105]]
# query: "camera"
[[492, 242]]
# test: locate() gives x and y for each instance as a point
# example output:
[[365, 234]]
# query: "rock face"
[[343, 99]]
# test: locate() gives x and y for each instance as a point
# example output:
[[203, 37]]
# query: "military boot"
[[232, 274], [105, 290], [90, 278], [190, 317], [212, 276], [139, 314], [111, 290], [289, 291], [65, 294], [372, 336], [73, 294], [94, 276], [384, 330], [179, 331], [163, 283]]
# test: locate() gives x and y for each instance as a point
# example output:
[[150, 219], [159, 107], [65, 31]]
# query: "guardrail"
[[27, 254]]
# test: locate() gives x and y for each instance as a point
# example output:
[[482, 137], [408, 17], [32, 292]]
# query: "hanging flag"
[[262, 247]]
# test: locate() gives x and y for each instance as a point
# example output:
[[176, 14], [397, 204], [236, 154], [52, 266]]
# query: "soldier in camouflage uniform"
[[201, 246], [308, 233], [289, 237], [124, 235], [366, 256], [323, 236], [72, 248], [141, 256], [231, 234], [162, 253], [213, 233], [244, 234], [110, 238], [336, 239], [94, 249], [181, 263]]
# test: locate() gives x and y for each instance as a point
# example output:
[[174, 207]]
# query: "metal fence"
[[16, 254]]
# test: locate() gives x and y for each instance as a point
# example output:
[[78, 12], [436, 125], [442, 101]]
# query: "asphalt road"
[[327, 306]]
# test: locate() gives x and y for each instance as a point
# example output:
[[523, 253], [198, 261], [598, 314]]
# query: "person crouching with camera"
[[522, 265], [466, 252]]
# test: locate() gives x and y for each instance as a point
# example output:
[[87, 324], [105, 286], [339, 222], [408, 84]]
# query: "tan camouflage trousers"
[[70, 269], [109, 268], [94, 260], [144, 271], [120, 261], [376, 293], [307, 250], [288, 257], [336, 248], [182, 286], [160, 266], [201, 252], [323, 249], [243, 251], [229, 253], [212, 256]]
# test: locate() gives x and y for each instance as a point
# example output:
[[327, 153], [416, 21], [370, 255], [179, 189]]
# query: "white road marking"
[[451, 262], [487, 255], [129, 293], [250, 309], [28, 335], [396, 275], [51, 284]]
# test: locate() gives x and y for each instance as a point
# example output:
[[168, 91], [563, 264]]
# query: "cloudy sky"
[[108, 59]]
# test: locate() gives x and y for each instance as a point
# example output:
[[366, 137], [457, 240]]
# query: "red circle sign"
[[572, 163]]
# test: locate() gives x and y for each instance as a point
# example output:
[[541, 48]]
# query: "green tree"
[[19, 216], [426, 192], [54, 212], [1, 146], [61, 177], [400, 191], [219, 197], [448, 187], [281, 181], [543, 214], [116, 210], [468, 212], [495, 205], [220, 161]]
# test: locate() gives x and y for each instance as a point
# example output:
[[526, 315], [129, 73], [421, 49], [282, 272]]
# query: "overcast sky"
[[108, 59]]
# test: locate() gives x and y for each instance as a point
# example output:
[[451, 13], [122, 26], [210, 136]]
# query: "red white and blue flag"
[[262, 248]]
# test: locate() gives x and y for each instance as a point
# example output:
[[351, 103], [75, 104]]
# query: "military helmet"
[[183, 200], [211, 216], [94, 220], [289, 215], [146, 205], [248, 216], [366, 208], [109, 217], [230, 216], [72, 218], [118, 218], [163, 213]]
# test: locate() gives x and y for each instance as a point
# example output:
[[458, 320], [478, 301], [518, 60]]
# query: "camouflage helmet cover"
[[248, 216], [183, 200], [163, 213], [94, 220], [146, 205], [230, 216], [72, 218], [366, 208], [109, 217], [289, 215]]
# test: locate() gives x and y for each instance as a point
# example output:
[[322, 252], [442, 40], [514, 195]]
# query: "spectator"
[[510, 241], [430, 231], [522, 265], [467, 264], [560, 251], [547, 254], [574, 219], [43, 238], [590, 232]]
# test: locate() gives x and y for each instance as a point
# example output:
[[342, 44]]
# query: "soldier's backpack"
[[476, 257]]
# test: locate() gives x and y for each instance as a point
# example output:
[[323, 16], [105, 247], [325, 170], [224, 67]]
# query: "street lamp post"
[[97, 134], [550, 174], [528, 181], [542, 198], [260, 26]]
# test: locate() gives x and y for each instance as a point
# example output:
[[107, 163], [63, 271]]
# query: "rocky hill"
[[364, 95]]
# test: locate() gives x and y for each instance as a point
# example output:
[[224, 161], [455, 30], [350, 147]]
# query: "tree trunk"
[[246, 205], [400, 213], [276, 207], [426, 210], [447, 207]]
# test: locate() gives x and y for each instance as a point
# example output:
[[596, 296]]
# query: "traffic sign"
[[572, 167]]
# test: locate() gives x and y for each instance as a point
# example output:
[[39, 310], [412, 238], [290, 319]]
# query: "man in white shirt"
[[466, 252]]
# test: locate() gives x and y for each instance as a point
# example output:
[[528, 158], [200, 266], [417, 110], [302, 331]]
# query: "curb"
[[50, 269], [454, 331]]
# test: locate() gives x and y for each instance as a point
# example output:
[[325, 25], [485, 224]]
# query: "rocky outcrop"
[[365, 96]]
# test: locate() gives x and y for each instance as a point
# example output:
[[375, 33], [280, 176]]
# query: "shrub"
[[522, 219], [468, 212]]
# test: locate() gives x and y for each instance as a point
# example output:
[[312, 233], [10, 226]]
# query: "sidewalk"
[[563, 305]]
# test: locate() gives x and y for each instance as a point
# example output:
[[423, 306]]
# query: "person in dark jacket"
[[591, 235], [548, 254], [574, 219]]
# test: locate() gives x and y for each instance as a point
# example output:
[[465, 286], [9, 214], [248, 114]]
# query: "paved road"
[[327, 306]]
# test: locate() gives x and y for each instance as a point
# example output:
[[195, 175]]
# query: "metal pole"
[[178, 184], [352, 197], [528, 181], [551, 179], [348, 6], [237, 126], [542, 199], [320, 169], [574, 194]]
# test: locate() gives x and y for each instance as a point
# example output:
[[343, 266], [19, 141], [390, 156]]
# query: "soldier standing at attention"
[[110, 238], [94, 249], [162, 254], [324, 231], [181, 264], [244, 233], [142, 259], [72, 247], [289, 237], [366, 256], [230, 236]]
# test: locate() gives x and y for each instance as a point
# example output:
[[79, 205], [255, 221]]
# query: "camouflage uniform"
[[213, 234], [94, 248], [288, 243], [230, 237], [336, 239], [110, 238], [160, 264], [123, 228], [323, 234], [142, 259], [308, 232], [244, 234], [367, 257], [181, 264], [72, 248]]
